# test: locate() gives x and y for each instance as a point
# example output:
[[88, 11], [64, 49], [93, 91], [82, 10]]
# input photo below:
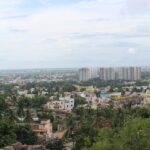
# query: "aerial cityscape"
[[56, 108], [74, 75]]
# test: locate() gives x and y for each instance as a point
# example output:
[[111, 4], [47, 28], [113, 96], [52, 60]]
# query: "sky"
[[74, 33]]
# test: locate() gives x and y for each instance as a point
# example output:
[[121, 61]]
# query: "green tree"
[[54, 145], [133, 136], [7, 133], [28, 117], [136, 134], [21, 112], [3, 107], [80, 101], [25, 135]]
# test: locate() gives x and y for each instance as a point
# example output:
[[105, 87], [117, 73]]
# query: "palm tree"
[[21, 113], [12, 115], [28, 117]]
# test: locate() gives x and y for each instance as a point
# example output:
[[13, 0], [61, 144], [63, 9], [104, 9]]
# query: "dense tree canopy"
[[79, 101], [133, 136], [11, 133], [7, 132], [25, 135]]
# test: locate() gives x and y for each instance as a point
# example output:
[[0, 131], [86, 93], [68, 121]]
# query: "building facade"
[[64, 103], [84, 74], [129, 73], [107, 73], [111, 73]]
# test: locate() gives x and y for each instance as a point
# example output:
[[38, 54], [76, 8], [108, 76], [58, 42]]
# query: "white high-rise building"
[[84, 74], [129, 73], [94, 72], [107, 74], [110, 73], [137, 73]]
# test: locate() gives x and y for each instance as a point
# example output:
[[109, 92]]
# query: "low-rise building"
[[22, 93], [55, 105], [68, 102], [43, 129], [64, 103], [146, 97]]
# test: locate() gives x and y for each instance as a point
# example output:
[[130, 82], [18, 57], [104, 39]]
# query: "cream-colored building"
[[146, 96], [43, 129], [64, 103]]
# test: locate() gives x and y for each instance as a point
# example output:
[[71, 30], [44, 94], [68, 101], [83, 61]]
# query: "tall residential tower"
[[84, 74]]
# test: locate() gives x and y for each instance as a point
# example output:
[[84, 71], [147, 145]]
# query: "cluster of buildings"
[[110, 73], [88, 73], [37, 75], [63, 104]]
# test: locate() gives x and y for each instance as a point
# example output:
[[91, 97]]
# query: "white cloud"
[[60, 23], [132, 51], [137, 6]]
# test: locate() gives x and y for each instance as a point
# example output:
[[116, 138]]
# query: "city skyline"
[[77, 33], [110, 73]]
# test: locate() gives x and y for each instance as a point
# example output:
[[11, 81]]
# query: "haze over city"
[[74, 74], [76, 33]]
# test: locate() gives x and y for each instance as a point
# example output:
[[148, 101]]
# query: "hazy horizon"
[[72, 34], [72, 68]]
